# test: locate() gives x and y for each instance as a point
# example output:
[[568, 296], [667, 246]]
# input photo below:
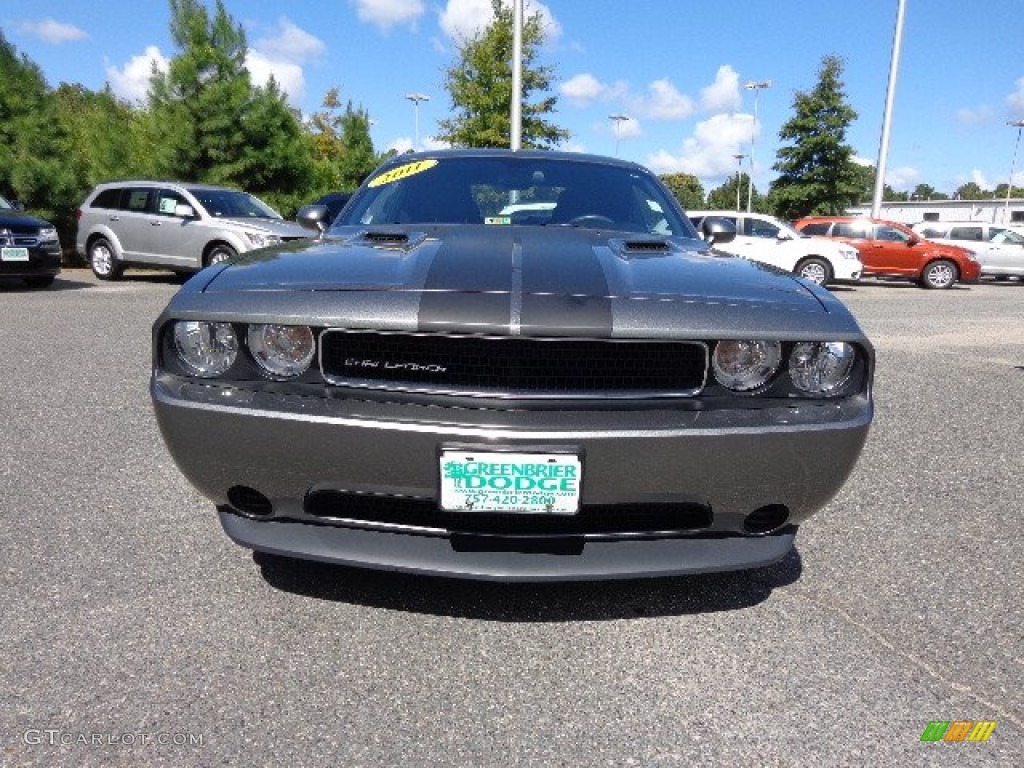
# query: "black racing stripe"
[[469, 283], [565, 289]]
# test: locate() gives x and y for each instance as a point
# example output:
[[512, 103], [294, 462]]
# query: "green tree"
[[724, 197], [817, 174], [209, 123], [34, 144], [971, 191], [927, 192], [687, 189], [479, 85], [196, 107], [358, 158]]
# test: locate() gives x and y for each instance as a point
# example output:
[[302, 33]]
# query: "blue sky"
[[675, 67]]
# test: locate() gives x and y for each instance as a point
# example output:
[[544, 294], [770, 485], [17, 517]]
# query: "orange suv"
[[888, 248]]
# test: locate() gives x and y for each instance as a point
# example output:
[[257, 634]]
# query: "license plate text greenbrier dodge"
[[475, 481]]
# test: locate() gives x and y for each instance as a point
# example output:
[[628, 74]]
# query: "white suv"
[[183, 227], [764, 238], [999, 249]]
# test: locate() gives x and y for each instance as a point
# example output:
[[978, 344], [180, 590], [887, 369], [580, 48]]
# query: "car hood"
[[279, 227], [491, 279], [9, 219]]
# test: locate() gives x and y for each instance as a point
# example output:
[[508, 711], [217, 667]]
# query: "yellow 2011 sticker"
[[401, 172]]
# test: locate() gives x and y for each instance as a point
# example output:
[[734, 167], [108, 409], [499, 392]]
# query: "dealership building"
[[998, 211]]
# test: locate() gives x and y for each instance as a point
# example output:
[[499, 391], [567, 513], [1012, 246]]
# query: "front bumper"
[[42, 262], [289, 449]]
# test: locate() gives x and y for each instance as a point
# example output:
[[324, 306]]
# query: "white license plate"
[[504, 481], [14, 254]]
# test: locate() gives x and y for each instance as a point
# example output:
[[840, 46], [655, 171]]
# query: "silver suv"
[[183, 227]]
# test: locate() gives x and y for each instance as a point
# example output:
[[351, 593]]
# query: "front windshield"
[[509, 190], [231, 204]]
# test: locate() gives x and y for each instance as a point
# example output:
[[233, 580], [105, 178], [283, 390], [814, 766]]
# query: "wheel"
[[939, 274], [39, 281], [219, 253], [102, 260], [814, 269]]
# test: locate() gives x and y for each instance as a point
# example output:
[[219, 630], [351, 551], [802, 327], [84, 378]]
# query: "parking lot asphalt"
[[135, 633]]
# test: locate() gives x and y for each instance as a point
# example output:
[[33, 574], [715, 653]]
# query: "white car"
[[999, 249], [764, 238]]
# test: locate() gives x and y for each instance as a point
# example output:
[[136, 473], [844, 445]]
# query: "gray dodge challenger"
[[515, 366]]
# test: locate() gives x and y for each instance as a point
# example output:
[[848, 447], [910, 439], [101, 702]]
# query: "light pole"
[[1018, 124], [890, 98], [739, 176], [616, 119], [756, 86], [416, 98]]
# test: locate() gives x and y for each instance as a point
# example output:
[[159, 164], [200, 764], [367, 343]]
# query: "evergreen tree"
[[687, 189], [479, 85], [817, 174]]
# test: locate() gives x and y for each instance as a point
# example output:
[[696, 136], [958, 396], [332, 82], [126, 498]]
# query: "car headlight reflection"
[[283, 351], [821, 367], [744, 366], [262, 239], [206, 349]]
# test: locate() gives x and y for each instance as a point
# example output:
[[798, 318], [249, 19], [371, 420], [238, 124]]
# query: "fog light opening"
[[766, 519], [249, 501]]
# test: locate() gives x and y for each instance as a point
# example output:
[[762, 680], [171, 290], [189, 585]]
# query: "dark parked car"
[[29, 247], [430, 387]]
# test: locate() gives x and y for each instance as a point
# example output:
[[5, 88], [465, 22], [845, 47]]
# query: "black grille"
[[512, 364], [592, 518]]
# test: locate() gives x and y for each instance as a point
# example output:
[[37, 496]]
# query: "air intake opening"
[[249, 501], [766, 519]]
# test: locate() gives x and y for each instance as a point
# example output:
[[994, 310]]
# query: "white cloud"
[[283, 54], [53, 32], [385, 14], [1016, 100], [131, 82], [626, 129], [976, 116], [664, 102], [723, 95], [903, 179], [979, 178], [584, 89], [290, 43], [288, 74], [464, 19], [708, 154]]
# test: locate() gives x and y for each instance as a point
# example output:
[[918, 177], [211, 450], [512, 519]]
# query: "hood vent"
[[639, 248], [391, 239]]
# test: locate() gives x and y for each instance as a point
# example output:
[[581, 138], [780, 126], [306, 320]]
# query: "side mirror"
[[717, 230], [313, 217], [913, 241]]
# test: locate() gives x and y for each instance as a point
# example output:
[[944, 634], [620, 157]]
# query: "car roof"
[[164, 183], [525, 154]]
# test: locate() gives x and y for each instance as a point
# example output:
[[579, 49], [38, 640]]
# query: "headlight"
[[744, 366], [283, 351], [850, 253], [48, 233], [206, 349], [262, 239], [821, 367]]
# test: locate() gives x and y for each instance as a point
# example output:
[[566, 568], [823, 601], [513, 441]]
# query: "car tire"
[[39, 281], [103, 261], [814, 269], [219, 253], [941, 273]]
